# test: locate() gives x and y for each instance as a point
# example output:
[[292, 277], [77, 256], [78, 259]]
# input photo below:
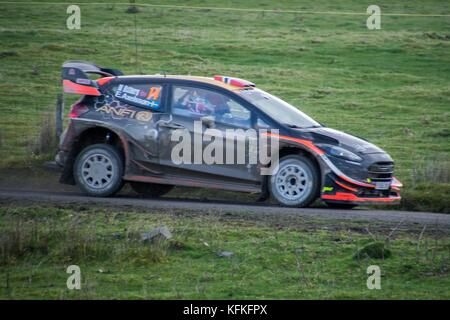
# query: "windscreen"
[[278, 109]]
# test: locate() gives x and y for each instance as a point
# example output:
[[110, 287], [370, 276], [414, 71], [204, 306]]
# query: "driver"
[[195, 103], [205, 103]]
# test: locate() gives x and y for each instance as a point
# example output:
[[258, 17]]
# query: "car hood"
[[347, 141]]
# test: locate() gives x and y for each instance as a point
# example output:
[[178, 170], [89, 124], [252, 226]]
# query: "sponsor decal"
[[153, 93], [144, 97], [121, 112], [83, 81], [143, 116]]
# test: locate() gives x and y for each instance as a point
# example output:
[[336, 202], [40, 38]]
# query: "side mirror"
[[208, 121], [164, 122]]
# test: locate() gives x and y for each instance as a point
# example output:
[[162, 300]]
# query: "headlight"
[[339, 152]]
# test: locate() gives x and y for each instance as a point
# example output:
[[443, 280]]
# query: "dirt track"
[[173, 203], [41, 186]]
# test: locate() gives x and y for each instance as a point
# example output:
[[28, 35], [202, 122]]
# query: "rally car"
[[121, 131]]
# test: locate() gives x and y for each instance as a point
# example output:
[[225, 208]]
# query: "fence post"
[[59, 115]]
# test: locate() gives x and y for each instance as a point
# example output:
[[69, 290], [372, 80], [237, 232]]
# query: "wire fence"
[[234, 9]]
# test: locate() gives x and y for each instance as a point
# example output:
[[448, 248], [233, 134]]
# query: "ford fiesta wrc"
[[121, 129]]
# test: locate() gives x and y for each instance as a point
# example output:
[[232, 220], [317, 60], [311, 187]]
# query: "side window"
[[237, 115], [196, 103], [140, 95]]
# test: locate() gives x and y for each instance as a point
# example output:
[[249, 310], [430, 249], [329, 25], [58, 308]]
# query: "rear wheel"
[[98, 170], [296, 183], [151, 190]]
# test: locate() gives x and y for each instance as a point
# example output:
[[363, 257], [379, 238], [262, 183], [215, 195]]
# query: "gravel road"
[[170, 203]]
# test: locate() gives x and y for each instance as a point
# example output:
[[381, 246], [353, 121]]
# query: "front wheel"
[[98, 170], [296, 183]]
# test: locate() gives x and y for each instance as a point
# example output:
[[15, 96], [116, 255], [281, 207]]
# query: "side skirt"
[[191, 182]]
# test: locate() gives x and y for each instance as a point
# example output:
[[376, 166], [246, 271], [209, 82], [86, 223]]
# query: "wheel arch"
[[290, 149], [90, 136]]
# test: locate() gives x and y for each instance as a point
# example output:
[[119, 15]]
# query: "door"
[[218, 131], [136, 106]]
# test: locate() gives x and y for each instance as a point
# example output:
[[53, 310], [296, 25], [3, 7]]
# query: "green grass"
[[289, 258], [390, 86]]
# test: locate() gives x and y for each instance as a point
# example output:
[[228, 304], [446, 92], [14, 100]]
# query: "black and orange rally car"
[[120, 132]]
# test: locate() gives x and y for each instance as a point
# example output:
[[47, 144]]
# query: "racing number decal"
[[153, 93], [140, 95]]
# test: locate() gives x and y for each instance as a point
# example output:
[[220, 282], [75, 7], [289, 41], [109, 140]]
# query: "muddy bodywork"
[[143, 134]]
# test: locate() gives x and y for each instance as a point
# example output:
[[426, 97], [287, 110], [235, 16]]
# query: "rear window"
[[140, 95]]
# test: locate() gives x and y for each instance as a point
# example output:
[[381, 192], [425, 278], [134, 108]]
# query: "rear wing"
[[76, 80]]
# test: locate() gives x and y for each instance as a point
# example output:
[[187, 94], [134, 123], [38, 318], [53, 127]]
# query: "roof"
[[192, 78]]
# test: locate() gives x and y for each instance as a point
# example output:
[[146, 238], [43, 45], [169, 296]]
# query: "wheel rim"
[[97, 171], [292, 182]]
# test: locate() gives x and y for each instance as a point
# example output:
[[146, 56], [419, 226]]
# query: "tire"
[[151, 190], [347, 206], [98, 170], [296, 183]]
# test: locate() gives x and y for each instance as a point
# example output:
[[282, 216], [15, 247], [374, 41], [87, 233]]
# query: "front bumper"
[[338, 190]]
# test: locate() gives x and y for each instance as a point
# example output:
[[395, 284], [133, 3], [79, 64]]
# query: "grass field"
[[390, 86], [273, 257]]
